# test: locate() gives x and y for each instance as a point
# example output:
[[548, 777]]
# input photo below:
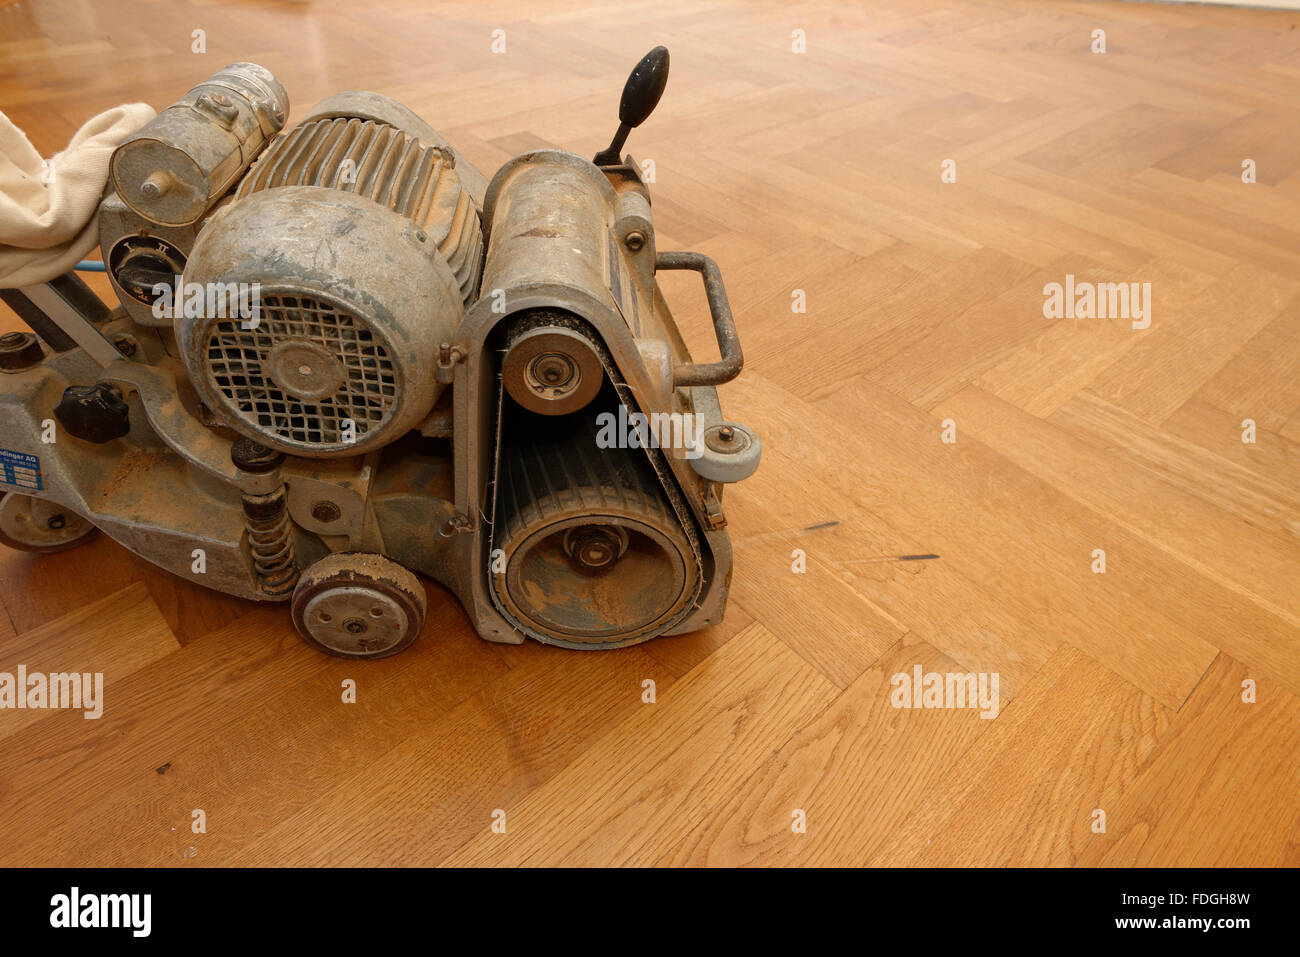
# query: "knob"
[[641, 93]]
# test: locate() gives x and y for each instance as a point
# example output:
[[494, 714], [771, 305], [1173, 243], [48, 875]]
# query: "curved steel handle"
[[724, 327]]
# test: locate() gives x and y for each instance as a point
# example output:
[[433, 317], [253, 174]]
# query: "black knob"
[[641, 93], [645, 85], [95, 413]]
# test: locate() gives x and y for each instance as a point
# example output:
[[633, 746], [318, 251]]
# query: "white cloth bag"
[[48, 218]]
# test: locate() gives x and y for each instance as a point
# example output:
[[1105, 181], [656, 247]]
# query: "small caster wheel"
[[35, 525], [356, 605]]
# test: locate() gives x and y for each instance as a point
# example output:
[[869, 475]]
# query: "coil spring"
[[270, 541]]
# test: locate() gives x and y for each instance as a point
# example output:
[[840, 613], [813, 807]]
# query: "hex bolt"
[[19, 351], [726, 439]]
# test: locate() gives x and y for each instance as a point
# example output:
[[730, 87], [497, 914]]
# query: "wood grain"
[[816, 172]]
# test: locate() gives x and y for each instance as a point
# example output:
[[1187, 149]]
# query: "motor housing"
[[364, 248], [354, 302]]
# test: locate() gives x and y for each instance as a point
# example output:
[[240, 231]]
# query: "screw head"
[[635, 240]]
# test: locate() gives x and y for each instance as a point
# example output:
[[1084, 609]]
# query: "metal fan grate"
[[239, 366]]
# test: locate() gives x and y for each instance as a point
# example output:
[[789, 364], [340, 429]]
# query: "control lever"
[[641, 95]]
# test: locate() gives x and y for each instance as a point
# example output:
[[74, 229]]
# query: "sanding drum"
[[594, 555]]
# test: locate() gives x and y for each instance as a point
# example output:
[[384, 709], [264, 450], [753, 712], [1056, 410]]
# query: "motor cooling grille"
[[303, 373]]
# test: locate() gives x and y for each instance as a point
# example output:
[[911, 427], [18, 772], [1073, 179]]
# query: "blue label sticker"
[[21, 469]]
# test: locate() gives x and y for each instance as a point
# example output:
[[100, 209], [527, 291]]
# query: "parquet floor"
[[819, 171]]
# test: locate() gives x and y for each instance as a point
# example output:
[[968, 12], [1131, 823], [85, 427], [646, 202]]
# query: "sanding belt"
[[661, 468]]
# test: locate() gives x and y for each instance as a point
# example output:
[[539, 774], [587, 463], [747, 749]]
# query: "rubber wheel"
[[356, 605], [35, 525]]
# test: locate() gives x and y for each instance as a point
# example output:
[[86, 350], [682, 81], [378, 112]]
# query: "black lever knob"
[[641, 93], [95, 413]]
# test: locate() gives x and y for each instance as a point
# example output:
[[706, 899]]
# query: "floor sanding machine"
[[343, 358]]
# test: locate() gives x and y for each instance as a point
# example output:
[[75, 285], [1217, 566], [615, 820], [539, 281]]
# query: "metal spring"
[[270, 541]]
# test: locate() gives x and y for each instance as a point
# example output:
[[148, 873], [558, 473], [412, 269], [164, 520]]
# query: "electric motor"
[[362, 247]]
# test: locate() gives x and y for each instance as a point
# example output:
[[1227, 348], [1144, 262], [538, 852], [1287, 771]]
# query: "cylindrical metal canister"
[[190, 154]]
